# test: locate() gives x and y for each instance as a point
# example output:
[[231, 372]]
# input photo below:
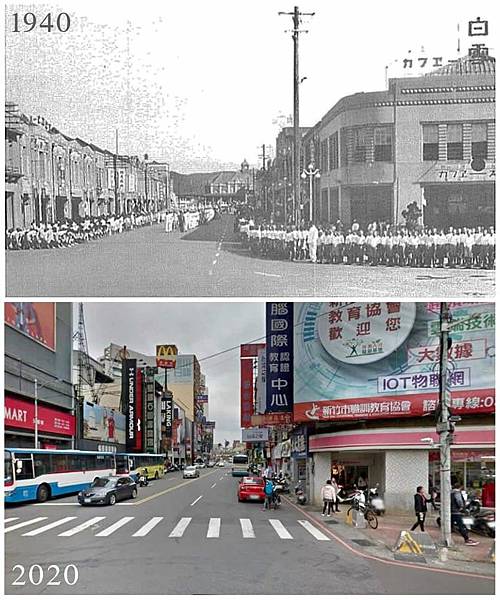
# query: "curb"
[[380, 552]]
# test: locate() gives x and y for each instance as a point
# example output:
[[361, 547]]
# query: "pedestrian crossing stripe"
[[213, 531]]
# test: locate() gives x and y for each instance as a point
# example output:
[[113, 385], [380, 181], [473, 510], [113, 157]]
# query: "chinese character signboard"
[[255, 435], [149, 412], [166, 356], [279, 357], [360, 360], [271, 419], [260, 385], [20, 414], [246, 398]]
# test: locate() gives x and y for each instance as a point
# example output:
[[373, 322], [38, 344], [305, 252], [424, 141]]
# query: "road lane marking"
[[213, 485], [175, 487], [112, 528], [213, 528], [11, 519], [59, 504], [81, 527], [319, 535], [145, 529], [246, 528], [49, 526], [268, 274], [280, 529], [24, 524], [180, 528], [199, 498]]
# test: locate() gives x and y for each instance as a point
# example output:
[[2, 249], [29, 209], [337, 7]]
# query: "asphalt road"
[[210, 262], [193, 537]]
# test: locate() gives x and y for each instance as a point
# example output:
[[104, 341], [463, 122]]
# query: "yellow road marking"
[[175, 487]]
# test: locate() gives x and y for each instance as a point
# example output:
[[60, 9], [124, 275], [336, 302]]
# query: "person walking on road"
[[457, 509], [420, 508], [269, 492], [329, 496]]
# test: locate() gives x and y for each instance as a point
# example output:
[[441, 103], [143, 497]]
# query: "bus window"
[[43, 464], [24, 466], [8, 468], [121, 464]]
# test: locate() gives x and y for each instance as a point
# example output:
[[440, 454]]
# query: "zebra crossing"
[[215, 527]]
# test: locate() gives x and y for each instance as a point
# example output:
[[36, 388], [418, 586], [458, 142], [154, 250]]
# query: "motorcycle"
[[142, 479], [300, 494], [281, 484], [484, 519], [375, 501], [348, 497], [467, 519]]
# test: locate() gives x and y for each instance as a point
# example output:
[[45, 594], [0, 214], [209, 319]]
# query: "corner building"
[[427, 139]]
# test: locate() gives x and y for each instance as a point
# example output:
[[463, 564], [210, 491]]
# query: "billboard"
[[20, 414], [362, 360], [103, 424], [246, 392], [129, 401], [149, 410], [260, 384], [37, 320], [279, 357], [166, 356]]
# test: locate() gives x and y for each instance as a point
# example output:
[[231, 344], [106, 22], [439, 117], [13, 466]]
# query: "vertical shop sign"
[[149, 445], [279, 357], [129, 385]]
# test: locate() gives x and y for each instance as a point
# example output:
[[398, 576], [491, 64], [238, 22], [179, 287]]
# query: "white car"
[[221, 464], [190, 473]]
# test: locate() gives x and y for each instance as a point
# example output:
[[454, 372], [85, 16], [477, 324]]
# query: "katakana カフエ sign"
[[368, 360], [279, 357]]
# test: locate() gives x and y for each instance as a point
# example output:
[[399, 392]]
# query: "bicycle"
[[368, 514]]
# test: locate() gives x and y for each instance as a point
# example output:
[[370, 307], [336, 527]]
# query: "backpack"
[[268, 489]]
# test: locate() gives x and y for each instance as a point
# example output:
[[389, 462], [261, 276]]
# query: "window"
[[334, 151], [43, 464], [361, 144], [479, 141], [121, 464], [430, 142], [7, 468], [344, 145], [60, 463], [24, 466], [324, 156], [383, 144], [454, 141]]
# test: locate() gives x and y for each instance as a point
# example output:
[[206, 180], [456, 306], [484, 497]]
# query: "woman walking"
[[420, 508]]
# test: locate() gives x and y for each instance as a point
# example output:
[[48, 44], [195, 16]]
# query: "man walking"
[[420, 508], [457, 508]]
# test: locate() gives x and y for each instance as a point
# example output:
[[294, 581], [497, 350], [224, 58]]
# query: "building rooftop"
[[467, 65]]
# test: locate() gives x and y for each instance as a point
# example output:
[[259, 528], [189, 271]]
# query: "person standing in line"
[[312, 242], [421, 501], [329, 496]]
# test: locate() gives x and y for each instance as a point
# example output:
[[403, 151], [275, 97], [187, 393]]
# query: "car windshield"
[[103, 482]]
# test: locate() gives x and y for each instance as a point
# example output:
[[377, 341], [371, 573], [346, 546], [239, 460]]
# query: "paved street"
[[192, 537], [210, 262]]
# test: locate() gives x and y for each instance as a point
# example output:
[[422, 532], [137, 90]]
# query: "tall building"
[[39, 401]]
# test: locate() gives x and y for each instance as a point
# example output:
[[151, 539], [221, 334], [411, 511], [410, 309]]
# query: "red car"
[[251, 488]]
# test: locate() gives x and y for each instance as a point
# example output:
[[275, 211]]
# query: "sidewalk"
[[380, 542]]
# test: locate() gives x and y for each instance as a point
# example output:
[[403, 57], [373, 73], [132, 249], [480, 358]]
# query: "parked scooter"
[[484, 518], [375, 501], [346, 497], [281, 483], [300, 494]]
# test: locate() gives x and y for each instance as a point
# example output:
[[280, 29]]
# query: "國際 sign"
[[279, 357], [166, 356]]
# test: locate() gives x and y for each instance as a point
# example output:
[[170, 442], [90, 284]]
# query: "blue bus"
[[43, 474]]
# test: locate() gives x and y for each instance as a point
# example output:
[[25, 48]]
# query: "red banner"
[[21, 414], [250, 350], [37, 320], [246, 392], [272, 419], [408, 405]]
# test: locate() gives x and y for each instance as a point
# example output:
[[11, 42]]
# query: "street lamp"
[[311, 173]]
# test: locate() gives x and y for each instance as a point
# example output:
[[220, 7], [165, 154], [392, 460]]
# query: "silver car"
[[190, 473]]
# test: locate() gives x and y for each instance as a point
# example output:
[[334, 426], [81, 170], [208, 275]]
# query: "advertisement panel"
[[37, 320], [20, 414], [250, 350], [379, 359], [279, 357], [166, 356], [103, 424], [201, 398], [271, 419], [129, 392], [167, 407], [149, 411], [246, 392], [255, 435], [260, 384]]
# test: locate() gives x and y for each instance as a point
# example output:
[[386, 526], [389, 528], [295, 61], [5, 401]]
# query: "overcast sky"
[[201, 328], [199, 83]]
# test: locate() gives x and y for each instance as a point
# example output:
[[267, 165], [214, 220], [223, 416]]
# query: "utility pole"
[[445, 428], [296, 14]]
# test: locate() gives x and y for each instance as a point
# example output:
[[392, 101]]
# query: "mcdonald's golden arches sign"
[[166, 356]]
